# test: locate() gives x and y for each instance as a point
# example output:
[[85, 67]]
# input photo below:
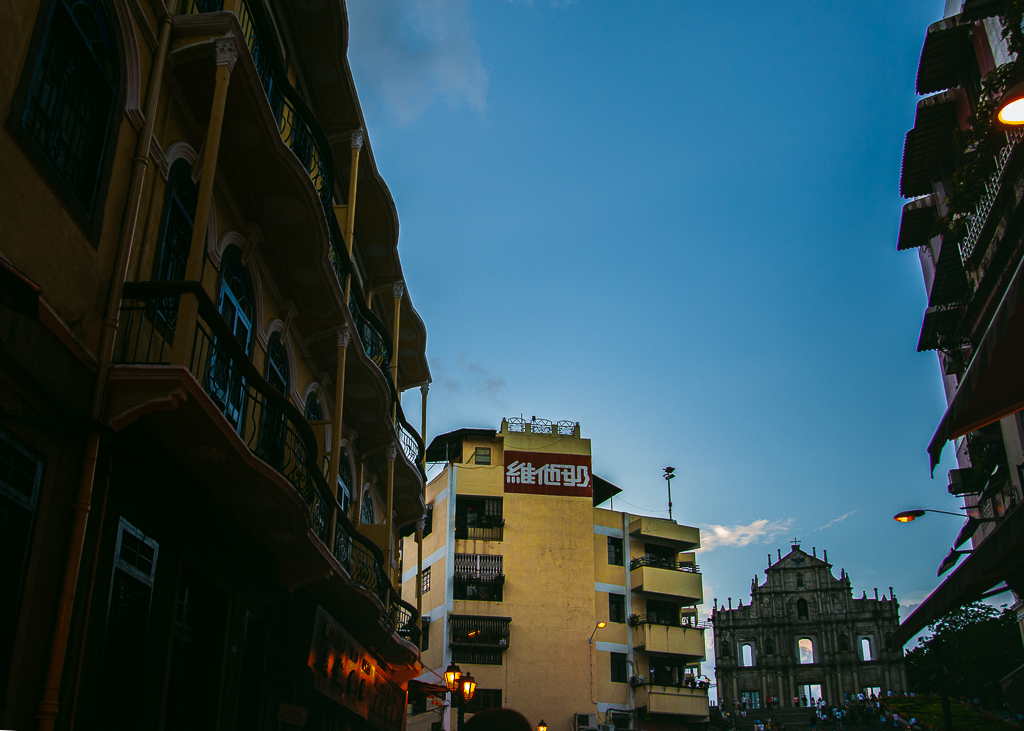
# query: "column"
[[339, 402], [398, 289], [391, 453]]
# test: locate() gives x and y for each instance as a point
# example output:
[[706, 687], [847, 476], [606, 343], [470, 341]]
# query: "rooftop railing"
[[686, 622]]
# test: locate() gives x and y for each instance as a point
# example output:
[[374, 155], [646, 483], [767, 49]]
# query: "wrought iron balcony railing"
[[271, 427], [663, 563], [404, 618]]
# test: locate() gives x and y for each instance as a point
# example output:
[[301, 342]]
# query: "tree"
[[967, 653]]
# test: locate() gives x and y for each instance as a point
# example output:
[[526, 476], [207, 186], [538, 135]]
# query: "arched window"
[[747, 656], [313, 410], [805, 649], [799, 581], [769, 647], [366, 509], [888, 641], [865, 650], [176, 224], [801, 609], [236, 300], [277, 364], [71, 99], [844, 644], [725, 649]]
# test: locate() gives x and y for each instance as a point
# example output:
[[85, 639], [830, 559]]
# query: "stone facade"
[[804, 635]]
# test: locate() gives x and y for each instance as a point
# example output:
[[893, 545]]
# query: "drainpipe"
[[356, 138], [226, 53], [420, 523], [339, 401], [391, 453], [48, 705]]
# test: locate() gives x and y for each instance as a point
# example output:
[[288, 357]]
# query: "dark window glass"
[[313, 410], [70, 103], [662, 612], [20, 477], [425, 635], [801, 609], [620, 668], [799, 581], [483, 699], [476, 656], [482, 455], [478, 577], [366, 510], [769, 647], [478, 518], [176, 226], [426, 581], [236, 301], [119, 698], [616, 608], [844, 644], [667, 671], [660, 555], [615, 555], [277, 365]]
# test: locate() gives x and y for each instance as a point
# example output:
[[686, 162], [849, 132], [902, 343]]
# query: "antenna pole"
[[669, 474]]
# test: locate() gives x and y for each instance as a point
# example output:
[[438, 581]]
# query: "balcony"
[[668, 578], [668, 639], [478, 640], [479, 577], [191, 384], [666, 530], [676, 701]]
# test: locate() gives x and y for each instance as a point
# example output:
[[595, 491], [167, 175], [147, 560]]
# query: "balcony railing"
[[271, 427], [487, 528], [404, 618], [688, 622], [663, 563], [976, 223], [479, 632]]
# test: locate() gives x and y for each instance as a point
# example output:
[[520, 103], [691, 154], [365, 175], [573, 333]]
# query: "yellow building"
[[521, 567], [204, 462]]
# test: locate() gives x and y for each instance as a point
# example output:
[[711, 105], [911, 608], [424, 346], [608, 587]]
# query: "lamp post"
[[600, 625], [669, 474], [542, 726], [461, 687], [909, 516]]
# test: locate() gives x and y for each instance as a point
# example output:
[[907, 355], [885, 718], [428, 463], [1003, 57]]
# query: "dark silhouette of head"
[[498, 719]]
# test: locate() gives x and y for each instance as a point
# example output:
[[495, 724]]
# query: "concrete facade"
[[804, 635]]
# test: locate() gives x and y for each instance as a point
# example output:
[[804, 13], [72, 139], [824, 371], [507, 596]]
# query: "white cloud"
[[760, 531], [835, 520], [408, 53]]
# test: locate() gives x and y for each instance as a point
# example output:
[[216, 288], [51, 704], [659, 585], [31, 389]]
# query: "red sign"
[[548, 474]]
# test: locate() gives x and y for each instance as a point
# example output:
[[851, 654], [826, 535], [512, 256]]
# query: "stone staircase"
[[794, 719]]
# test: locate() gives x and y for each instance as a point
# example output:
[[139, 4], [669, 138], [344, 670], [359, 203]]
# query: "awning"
[[999, 556], [945, 45], [929, 145], [448, 447], [940, 327], [604, 490], [916, 222], [993, 386], [419, 686], [949, 286]]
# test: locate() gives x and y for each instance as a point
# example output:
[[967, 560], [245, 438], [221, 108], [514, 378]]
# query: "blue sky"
[[675, 222]]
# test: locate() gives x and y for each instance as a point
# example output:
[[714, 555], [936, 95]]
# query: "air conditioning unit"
[[961, 481], [636, 680], [585, 721]]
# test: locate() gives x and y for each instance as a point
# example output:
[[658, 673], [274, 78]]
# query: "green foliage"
[[981, 142], [969, 651]]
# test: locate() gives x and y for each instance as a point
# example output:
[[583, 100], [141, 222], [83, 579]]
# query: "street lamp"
[[462, 687], [600, 625], [542, 726], [909, 516], [451, 676], [669, 474], [1011, 106]]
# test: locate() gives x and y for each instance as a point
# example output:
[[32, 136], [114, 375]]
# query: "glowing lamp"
[[908, 516], [542, 726], [452, 674], [1011, 107], [468, 687], [601, 625]]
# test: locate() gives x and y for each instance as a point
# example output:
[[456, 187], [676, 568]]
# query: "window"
[[805, 649], [425, 635], [131, 590], [476, 656], [662, 612], [888, 641], [799, 581], [426, 581], [747, 656], [667, 671], [236, 300], [865, 649], [277, 364], [313, 410], [801, 609], [619, 668], [616, 608], [176, 224], [366, 512], [482, 455], [69, 115], [660, 555], [769, 647], [478, 518], [725, 650], [483, 632], [428, 521], [21, 473], [844, 644], [483, 699], [478, 577], [621, 721], [615, 556]]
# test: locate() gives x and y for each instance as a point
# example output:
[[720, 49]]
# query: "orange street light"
[[1011, 107], [908, 516], [600, 625], [542, 726]]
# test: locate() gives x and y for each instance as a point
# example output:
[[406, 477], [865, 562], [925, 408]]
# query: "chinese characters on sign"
[[548, 474]]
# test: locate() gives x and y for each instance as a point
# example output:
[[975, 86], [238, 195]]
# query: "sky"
[[675, 223]]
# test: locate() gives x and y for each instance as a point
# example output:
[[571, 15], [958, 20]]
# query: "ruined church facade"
[[803, 636]]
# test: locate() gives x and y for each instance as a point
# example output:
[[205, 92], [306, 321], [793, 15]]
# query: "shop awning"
[[929, 145], [419, 686], [993, 386], [949, 286], [940, 326], [916, 222], [945, 46], [1000, 555]]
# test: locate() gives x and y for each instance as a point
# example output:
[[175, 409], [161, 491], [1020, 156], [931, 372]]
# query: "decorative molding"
[[225, 52], [356, 138], [230, 238], [182, 151], [344, 337], [132, 65], [398, 289], [156, 151], [390, 452], [425, 388]]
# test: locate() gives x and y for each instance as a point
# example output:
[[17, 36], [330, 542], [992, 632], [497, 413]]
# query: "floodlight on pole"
[[669, 474]]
